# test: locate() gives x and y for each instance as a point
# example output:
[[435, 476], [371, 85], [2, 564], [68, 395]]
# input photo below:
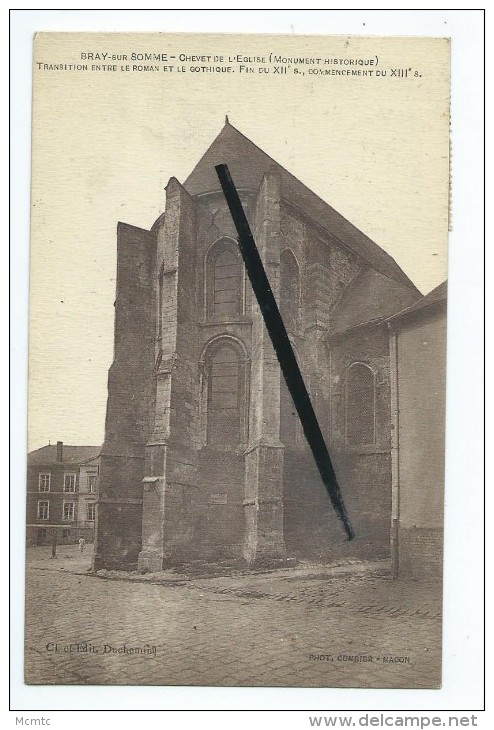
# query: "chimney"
[[59, 450]]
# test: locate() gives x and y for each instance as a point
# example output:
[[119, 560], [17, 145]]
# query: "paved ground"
[[307, 625]]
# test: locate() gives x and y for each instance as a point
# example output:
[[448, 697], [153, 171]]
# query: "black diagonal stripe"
[[283, 348]]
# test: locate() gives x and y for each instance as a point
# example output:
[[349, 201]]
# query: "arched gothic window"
[[360, 405], [290, 428], [288, 416], [224, 274], [159, 313], [289, 290], [224, 394]]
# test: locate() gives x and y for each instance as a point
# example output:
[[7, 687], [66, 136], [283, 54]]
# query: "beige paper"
[[211, 516]]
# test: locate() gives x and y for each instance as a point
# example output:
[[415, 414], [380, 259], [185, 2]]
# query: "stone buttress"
[[170, 479], [130, 403]]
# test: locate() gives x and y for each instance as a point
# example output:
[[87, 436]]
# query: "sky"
[[105, 144]]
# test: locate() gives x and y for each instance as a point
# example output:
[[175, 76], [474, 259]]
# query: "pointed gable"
[[248, 164]]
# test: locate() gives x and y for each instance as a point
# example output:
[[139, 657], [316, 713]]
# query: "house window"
[[65, 534], [92, 479], [224, 273], [68, 511], [360, 405], [43, 510], [91, 511], [69, 482], [44, 481], [289, 290]]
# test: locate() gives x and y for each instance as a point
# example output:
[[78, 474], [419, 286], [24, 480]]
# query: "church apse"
[[205, 458]]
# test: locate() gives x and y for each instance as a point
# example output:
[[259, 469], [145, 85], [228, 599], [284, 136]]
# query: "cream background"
[[105, 144], [463, 609]]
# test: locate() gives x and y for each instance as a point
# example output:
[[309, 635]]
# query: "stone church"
[[204, 457]]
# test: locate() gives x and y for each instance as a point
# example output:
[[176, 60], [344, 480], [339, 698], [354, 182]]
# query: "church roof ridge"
[[248, 163]]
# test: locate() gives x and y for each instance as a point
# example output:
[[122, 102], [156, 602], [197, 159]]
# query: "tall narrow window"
[[223, 397], [224, 280], [360, 405], [289, 290], [159, 313], [43, 510], [68, 510], [44, 482], [288, 416], [289, 420], [69, 482]]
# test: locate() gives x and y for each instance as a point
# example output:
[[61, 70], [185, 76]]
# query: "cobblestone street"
[[306, 625]]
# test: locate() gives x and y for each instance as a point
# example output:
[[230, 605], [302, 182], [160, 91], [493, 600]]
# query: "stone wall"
[[168, 493], [130, 403], [420, 553], [419, 345], [363, 471]]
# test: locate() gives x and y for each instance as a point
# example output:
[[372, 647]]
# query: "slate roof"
[[371, 297], [434, 298], [70, 455], [248, 164]]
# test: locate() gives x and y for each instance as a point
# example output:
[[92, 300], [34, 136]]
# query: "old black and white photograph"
[[179, 527]]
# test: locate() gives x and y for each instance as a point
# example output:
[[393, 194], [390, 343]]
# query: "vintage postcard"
[[175, 497]]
